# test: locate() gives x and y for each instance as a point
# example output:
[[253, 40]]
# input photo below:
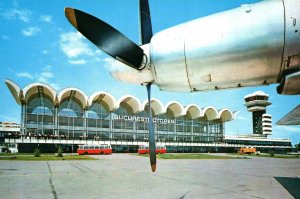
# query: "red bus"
[[94, 149], [145, 149]]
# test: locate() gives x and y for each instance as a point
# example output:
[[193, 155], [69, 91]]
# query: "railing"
[[63, 139]]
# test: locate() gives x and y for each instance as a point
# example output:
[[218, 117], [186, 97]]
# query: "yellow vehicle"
[[247, 150]]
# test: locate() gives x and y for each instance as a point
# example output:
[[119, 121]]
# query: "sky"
[[38, 44]]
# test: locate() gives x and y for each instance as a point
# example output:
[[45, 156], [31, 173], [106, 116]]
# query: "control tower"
[[257, 103]]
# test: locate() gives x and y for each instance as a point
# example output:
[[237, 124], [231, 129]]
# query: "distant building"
[[8, 129], [257, 103], [70, 118]]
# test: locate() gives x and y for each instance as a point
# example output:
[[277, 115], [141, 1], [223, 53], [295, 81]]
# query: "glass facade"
[[70, 121]]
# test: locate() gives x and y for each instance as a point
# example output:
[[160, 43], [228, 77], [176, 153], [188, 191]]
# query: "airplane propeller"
[[117, 45], [152, 146], [106, 37]]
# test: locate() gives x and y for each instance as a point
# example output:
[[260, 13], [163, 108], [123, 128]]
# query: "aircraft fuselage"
[[247, 46]]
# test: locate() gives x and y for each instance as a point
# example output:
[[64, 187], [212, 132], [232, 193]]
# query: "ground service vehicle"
[[145, 149], [9, 148], [94, 149], [247, 150]]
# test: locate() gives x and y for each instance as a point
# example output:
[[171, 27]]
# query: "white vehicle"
[[9, 148]]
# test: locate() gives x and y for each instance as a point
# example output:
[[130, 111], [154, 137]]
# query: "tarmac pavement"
[[128, 176]]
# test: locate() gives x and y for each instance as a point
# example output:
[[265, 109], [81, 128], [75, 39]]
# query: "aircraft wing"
[[292, 118]]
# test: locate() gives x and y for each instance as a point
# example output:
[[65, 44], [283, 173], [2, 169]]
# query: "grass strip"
[[46, 157], [266, 155], [192, 156]]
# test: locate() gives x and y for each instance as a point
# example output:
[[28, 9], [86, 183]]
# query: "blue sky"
[[37, 44]]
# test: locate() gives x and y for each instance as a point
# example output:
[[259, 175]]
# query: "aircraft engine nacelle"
[[254, 44], [124, 73]]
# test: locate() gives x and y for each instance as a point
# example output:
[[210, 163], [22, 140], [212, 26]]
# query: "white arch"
[[15, 91], [156, 106], [80, 95], [225, 115], [33, 88], [130, 102], [103, 98], [210, 112], [193, 110], [175, 107]]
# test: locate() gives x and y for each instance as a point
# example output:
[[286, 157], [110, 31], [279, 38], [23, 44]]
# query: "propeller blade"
[[106, 37], [145, 22], [152, 146]]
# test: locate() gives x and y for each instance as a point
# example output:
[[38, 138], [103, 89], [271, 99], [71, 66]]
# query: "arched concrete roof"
[[35, 88], [130, 103], [104, 98], [156, 106], [175, 107], [76, 93], [210, 112], [15, 91], [225, 115], [193, 111]]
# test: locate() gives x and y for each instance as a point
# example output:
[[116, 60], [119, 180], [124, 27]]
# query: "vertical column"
[[84, 123], [134, 129], [208, 131], [223, 130], [110, 126], [56, 120], [175, 129], [23, 119], [192, 131]]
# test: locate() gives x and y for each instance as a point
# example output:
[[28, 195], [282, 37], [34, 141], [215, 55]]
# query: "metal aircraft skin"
[[254, 44]]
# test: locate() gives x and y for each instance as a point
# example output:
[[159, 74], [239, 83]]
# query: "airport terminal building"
[[69, 118]]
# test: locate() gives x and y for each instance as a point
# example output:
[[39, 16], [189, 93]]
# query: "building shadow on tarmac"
[[292, 185]]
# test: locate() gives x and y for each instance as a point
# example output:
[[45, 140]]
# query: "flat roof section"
[[292, 118]]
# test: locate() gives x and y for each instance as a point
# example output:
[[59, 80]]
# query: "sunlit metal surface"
[[234, 48], [292, 118]]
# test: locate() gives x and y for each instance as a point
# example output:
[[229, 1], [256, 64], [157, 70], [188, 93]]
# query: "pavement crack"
[[209, 186], [182, 197], [51, 183], [78, 167]]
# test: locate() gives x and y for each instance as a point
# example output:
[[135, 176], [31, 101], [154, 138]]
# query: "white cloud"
[[46, 18], [45, 75], [55, 86], [5, 37], [31, 31], [77, 62], [25, 74], [19, 14], [73, 45], [44, 52]]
